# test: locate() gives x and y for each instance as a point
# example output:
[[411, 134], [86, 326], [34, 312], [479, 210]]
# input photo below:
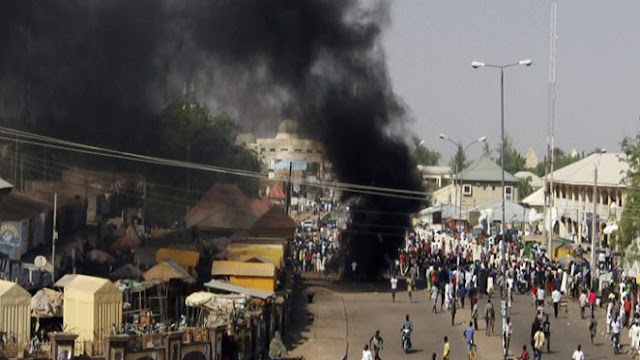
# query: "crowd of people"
[[459, 271]]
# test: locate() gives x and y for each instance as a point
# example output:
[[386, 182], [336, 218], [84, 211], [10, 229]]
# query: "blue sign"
[[10, 237]]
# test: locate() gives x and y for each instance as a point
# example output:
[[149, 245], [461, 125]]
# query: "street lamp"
[[458, 145], [476, 65], [594, 227]]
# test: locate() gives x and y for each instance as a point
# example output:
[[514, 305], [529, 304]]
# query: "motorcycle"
[[406, 340]]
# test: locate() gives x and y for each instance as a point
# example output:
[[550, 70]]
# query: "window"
[[508, 193], [297, 150], [262, 149], [309, 151], [272, 149], [319, 151], [466, 190], [284, 149]]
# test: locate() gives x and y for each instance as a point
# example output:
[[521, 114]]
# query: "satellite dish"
[[40, 261]]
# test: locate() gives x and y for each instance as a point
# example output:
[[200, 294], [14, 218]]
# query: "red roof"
[[274, 222], [225, 206], [276, 192]]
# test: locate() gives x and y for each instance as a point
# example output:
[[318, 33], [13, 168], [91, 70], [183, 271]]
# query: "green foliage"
[[422, 155], [513, 161], [560, 160], [525, 187], [630, 223], [458, 160], [486, 150], [191, 134]]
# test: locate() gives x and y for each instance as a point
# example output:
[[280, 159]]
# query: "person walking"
[[507, 330], [394, 287], [468, 334], [578, 354], [453, 313], [538, 343], [593, 327], [583, 303], [434, 298], [556, 296], [410, 288], [446, 349], [474, 315], [376, 343], [489, 317], [592, 301], [546, 329], [366, 353]]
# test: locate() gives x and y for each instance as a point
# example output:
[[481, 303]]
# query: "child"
[[525, 353]]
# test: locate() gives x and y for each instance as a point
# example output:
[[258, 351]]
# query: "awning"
[[221, 285]]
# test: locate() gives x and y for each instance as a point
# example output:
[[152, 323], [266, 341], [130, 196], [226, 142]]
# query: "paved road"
[[368, 310], [367, 307]]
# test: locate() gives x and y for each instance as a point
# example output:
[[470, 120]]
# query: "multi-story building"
[[573, 192], [306, 156], [481, 185]]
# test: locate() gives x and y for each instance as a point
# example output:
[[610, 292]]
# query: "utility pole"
[[594, 229], [54, 238], [551, 123]]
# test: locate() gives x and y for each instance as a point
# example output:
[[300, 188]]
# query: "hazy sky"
[[431, 43]]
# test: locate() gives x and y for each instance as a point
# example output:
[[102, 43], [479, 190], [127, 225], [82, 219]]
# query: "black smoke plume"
[[99, 71]]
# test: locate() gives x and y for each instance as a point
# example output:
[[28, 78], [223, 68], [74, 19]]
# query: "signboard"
[[10, 238]]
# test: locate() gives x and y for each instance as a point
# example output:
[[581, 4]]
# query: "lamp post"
[[594, 227], [458, 145], [476, 65]]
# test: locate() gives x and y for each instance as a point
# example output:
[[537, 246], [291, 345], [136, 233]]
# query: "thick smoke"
[[99, 71]]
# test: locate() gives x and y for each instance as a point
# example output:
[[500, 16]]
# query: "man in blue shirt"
[[468, 337]]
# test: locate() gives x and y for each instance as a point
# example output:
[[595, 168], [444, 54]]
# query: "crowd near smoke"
[[100, 71]]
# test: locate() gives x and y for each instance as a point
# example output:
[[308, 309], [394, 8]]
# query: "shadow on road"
[[301, 317]]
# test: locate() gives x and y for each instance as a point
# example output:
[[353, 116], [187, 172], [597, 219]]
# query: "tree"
[[458, 160], [513, 161], [630, 223], [423, 155], [560, 160], [525, 187], [191, 134], [486, 150]]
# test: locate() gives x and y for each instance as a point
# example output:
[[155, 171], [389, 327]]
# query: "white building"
[[573, 196]]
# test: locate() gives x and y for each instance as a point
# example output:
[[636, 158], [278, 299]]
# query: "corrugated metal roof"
[[168, 269], [242, 252], [221, 285], [184, 258], [238, 268], [612, 170], [485, 170]]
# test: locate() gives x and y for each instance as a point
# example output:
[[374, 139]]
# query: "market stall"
[[92, 306], [15, 312]]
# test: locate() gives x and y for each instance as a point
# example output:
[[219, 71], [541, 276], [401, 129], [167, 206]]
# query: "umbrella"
[[100, 257]]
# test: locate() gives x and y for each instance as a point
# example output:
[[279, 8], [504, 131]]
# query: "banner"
[[10, 238]]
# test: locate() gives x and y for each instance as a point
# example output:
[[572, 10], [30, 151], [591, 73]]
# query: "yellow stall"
[[187, 259], [249, 274], [15, 311], [273, 253], [92, 306]]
